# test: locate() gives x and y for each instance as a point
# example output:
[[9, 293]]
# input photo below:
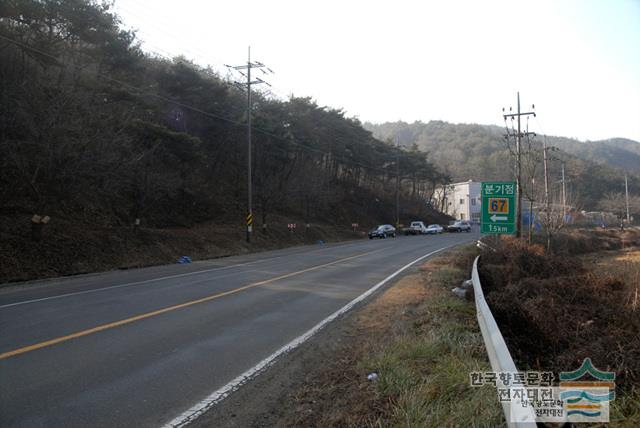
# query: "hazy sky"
[[578, 61]]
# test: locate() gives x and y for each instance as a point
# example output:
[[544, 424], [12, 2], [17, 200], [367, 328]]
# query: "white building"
[[460, 200]]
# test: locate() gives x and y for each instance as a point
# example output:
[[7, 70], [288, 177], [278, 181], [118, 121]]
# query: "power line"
[[164, 55], [290, 140], [188, 47], [196, 52], [127, 85]]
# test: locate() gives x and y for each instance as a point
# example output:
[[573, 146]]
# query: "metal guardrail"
[[499, 355]]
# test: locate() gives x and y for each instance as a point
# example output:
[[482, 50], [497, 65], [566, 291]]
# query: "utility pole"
[[398, 184], [564, 195], [547, 200], [533, 186], [546, 176], [626, 193], [518, 136], [247, 86]]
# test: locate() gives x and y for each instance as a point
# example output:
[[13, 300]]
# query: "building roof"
[[463, 182]]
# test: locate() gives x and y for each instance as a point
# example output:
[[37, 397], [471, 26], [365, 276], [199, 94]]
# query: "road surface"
[[141, 347]]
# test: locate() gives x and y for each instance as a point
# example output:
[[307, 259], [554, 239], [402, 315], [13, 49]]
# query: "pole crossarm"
[[529, 113], [518, 137], [247, 66], [522, 134]]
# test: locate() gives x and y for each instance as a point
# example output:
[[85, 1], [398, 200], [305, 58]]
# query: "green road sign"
[[498, 208]]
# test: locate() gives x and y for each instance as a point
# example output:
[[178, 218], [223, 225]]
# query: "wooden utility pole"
[[247, 86], [398, 184], [626, 193], [547, 199], [564, 195], [533, 186], [518, 136], [546, 175]]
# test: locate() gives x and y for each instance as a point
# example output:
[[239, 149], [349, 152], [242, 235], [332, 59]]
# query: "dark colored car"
[[383, 231], [459, 226]]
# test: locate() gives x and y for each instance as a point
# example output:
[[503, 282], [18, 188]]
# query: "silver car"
[[434, 229], [459, 226]]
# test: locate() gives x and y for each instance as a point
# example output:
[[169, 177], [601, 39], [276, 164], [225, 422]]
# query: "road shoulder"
[[396, 335]]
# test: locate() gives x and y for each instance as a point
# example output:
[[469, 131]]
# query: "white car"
[[459, 226], [416, 228], [434, 229]]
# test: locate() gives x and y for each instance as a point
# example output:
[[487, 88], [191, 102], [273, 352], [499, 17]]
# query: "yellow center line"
[[114, 324]]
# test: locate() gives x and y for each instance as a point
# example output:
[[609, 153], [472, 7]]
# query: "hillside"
[[104, 139], [617, 152], [594, 170]]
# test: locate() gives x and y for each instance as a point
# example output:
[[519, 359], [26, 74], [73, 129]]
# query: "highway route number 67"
[[498, 205]]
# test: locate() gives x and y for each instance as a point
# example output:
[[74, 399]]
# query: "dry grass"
[[555, 310], [70, 248], [424, 374], [422, 342], [623, 265]]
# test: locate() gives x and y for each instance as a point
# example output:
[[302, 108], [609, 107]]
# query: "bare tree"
[[554, 219]]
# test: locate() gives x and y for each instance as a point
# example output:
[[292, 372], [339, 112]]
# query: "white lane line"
[[147, 281], [220, 394], [127, 284]]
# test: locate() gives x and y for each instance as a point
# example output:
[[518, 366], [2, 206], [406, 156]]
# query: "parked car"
[[459, 226], [383, 231], [434, 229], [416, 228]]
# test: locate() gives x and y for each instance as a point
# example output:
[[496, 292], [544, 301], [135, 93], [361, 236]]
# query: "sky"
[[577, 61]]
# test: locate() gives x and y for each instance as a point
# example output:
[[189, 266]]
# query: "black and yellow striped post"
[[249, 226]]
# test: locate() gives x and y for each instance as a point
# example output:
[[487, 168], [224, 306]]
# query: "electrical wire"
[[205, 113]]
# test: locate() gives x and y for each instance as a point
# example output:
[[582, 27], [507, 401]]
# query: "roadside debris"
[[460, 292], [184, 260], [465, 291], [372, 376], [37, 224], [483, 246]]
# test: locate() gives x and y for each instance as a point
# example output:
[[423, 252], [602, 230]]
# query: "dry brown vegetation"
[[557, 309], [422, 342], [71, 248], [99, 136]]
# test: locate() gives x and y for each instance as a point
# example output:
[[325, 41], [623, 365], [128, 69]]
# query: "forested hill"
[[617, 152], [468, 151], [94, 129]]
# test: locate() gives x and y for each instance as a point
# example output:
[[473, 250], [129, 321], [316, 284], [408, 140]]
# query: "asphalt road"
[[138, 348]]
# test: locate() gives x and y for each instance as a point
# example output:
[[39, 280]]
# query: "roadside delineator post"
[[37, 224]]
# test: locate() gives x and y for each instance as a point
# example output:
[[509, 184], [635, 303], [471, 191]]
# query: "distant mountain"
[[480, 152], [619, 152], [464, 151]]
